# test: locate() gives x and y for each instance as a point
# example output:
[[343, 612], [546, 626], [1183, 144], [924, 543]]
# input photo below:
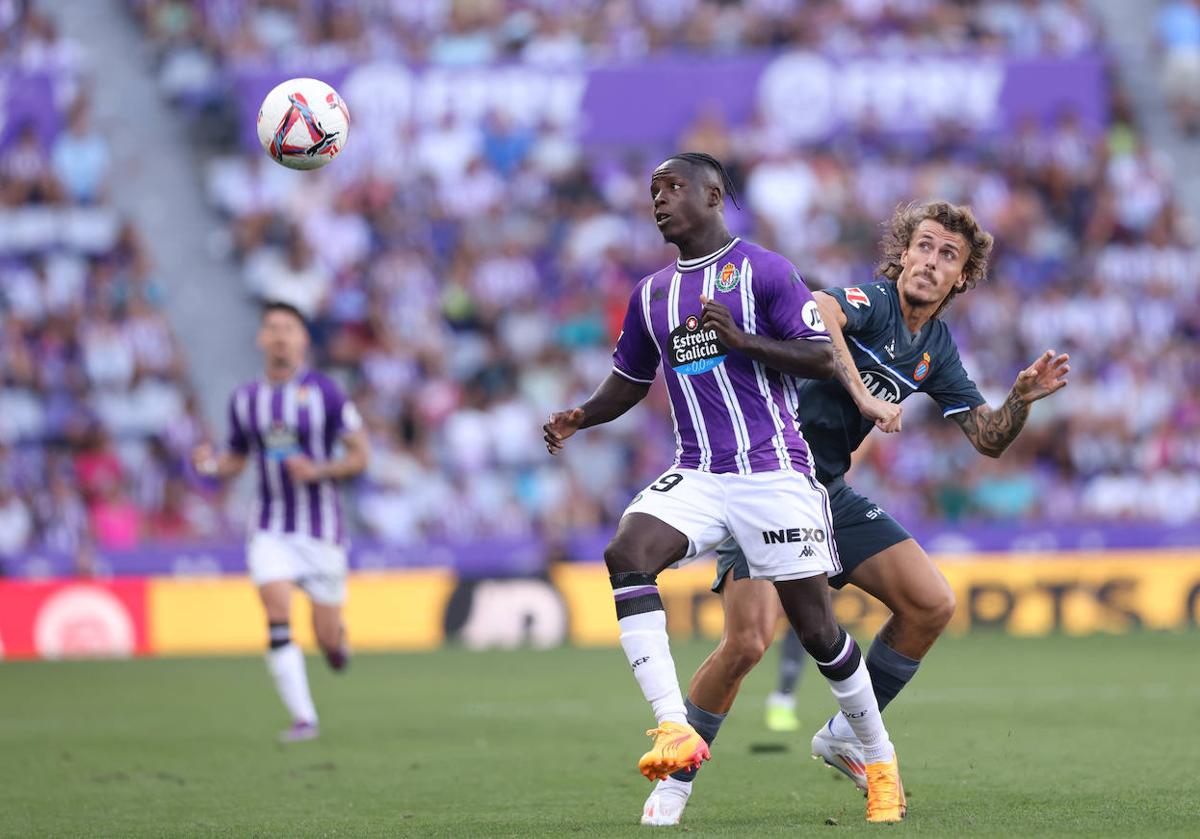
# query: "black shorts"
[[861, 529]]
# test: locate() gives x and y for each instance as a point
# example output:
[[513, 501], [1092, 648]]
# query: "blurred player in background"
[[729, 322], [291, 422], [890, 344]]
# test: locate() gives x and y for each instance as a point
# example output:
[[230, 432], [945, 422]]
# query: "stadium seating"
[[474, 279], [96, 411]]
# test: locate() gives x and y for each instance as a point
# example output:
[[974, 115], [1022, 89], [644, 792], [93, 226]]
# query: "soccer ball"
[[303, 124]]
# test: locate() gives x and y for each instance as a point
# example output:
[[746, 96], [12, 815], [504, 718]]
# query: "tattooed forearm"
[[841, 371], [991, 432]]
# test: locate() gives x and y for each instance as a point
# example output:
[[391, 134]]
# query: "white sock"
[[856, 698], [286, 664], [674, 786], [644, 639], [841, 728]]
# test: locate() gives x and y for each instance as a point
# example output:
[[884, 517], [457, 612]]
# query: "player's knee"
[[941, 610], [931, 613], [621, 556], [817, 636], [743, 651], [279, 634]]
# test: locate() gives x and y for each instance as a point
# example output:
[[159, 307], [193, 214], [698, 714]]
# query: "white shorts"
[[316, 566], [781, 519]]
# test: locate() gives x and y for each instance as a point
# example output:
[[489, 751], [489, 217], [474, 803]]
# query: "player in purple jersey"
[[290, 422], [890, 344], [729, 322]]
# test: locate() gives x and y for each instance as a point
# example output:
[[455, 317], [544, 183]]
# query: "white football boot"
[[843, 754], [665, 805]]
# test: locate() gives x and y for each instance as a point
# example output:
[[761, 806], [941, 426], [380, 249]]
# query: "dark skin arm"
[[885, 415], [615, 396], [803, 359], [991, 432]]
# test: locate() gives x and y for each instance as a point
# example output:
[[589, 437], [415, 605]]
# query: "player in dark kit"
[[729, 323], [290, 422], [890, 344]]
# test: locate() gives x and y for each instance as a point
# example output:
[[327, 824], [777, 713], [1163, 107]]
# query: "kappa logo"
[[890, 348], [658, 294], [729, 278], [922, 368], [807, 552], [856, 297]]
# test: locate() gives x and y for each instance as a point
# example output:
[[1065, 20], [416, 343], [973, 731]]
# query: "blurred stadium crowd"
[[466, 292]]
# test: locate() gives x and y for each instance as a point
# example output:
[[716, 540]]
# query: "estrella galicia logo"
[[280, 442], [881, 386], [695, 350]]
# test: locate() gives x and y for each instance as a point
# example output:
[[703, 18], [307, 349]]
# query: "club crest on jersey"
[[856, 297], [922, 368], [729, 278], [695, 350]]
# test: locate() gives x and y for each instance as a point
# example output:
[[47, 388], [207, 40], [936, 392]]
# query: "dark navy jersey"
[[893, 363]]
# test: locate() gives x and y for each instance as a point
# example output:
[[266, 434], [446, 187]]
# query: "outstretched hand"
[[716, 316], [560, 426], [1043, 377]]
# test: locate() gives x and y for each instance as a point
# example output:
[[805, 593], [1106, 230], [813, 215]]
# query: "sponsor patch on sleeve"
[[856, 297]]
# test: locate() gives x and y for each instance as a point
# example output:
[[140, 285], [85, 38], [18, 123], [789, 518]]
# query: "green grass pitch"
[[998, 736]]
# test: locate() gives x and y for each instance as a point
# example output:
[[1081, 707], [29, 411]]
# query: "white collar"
[[684, 265]]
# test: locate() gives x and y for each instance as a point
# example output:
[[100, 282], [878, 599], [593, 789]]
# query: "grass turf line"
[[998, 736]]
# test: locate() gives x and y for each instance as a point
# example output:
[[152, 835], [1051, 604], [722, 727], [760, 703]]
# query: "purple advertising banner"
[[27, 101], [807, 97], [525, 556]]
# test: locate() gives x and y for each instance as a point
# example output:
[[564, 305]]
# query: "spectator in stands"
[[1178, 38], [80, 157]]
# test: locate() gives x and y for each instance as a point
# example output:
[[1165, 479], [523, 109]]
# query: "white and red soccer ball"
[[303, 124]]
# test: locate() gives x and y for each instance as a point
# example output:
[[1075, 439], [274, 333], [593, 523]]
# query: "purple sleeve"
[[341, 416], [239, 441], [791, 312], [636, 356]]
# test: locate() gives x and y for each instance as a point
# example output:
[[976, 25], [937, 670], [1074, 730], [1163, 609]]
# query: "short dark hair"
[[699, 158], [280, 306]]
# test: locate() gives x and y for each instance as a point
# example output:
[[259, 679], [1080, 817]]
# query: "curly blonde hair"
[[898, 233]]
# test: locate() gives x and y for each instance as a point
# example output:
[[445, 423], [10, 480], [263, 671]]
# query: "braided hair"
[[699, 158]]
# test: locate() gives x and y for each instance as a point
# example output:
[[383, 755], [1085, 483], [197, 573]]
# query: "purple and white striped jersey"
[[731, 413], [272, 422]]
